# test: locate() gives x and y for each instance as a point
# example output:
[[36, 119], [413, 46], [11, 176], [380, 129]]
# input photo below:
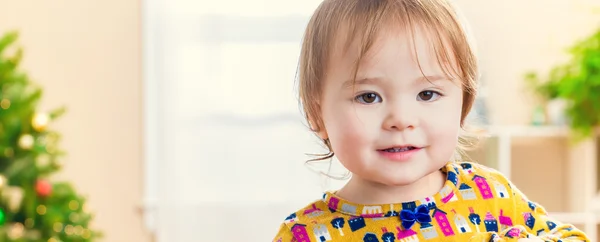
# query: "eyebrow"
[[365, 81]]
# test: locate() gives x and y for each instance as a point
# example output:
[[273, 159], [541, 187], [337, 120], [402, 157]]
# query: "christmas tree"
[[32, 207]]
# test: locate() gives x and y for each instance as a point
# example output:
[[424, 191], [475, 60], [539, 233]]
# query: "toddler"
[[387, 85]]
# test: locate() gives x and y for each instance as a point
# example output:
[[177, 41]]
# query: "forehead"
[[413, 51]]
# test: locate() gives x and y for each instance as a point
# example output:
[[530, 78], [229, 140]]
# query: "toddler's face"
[[393, 126]]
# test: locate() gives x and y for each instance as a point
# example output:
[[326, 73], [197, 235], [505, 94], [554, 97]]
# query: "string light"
[[40, 121], [74, 217], [5, 103], [57, 227], [79, 230], [9, 152], [2, 217], [73, 205], [3, 181], [69, 229], [42, 160], [86, 234], [29, 223], [26, 141], [16, 231], [41, 209]]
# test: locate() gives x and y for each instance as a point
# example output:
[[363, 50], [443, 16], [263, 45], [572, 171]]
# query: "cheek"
[[345, 129], [444, 125]]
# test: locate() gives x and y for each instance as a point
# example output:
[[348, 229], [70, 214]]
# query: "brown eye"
[[368, 98], [428, 96]]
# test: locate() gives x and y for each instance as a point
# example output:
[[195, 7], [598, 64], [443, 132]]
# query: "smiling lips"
[[399, 153]]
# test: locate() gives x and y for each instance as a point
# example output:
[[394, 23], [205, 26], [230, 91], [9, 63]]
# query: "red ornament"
[[43, 188]]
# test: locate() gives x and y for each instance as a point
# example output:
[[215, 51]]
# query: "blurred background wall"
[[87, 56], [90, 57]]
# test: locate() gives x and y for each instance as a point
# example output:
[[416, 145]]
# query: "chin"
[[403, 177], [399, 182]]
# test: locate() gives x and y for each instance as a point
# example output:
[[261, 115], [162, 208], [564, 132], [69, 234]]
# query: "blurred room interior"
[[179, 114]]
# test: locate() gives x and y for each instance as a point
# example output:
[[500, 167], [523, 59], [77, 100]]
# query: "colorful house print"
[[409, 205], [338, 223], [429, 201], [467, 192], [452, 177], [467, 168], [491, 224], [505, 222], [531, 205], [541, 232], [408, 235], [501, 191], [529, 220], [372, 212], [474, 218], [462, 225], [513, 233], [333, 202], [448, 195], [442, 221], [321, 233], [351, 209], [510, 188], [299, 232], [483, 186], [387, 236], [356, 223], [391, 213], [428, 231], [313, 212], [551, 225], [291, 219], [370, 237]]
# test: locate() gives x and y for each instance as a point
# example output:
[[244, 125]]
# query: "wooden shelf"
[[583, 205], [589, 220], [576, 218], [529, 131]]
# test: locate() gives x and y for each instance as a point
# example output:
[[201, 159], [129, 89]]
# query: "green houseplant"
[[578, 83]]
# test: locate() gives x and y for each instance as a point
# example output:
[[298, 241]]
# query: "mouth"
[[400, 149], [401, 153]]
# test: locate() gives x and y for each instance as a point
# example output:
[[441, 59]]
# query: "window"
[[225, 140]]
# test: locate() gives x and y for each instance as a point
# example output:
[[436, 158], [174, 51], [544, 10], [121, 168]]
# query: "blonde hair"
[[363, 21]]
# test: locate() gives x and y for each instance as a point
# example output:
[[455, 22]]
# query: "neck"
[[361, 191]]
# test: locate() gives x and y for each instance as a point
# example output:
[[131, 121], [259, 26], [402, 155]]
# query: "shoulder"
[[472, 171], [479, 174], [283, 234], [296, 225]]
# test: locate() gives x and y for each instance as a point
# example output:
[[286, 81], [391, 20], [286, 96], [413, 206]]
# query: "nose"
[[401, 117]]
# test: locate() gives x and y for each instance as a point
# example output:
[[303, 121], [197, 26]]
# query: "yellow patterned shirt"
[[476, 203]]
